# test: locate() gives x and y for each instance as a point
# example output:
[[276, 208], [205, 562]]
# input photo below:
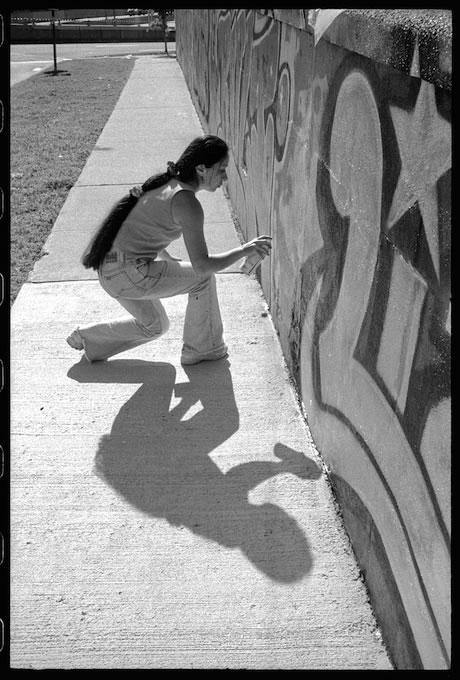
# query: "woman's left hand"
[[261, 245]]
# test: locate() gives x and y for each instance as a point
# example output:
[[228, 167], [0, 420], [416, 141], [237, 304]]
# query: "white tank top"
[[150, 227]]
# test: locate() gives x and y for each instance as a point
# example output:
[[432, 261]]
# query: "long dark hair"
[[206, 150]]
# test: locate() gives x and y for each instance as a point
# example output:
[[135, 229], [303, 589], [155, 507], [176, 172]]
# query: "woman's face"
[[212, 177]]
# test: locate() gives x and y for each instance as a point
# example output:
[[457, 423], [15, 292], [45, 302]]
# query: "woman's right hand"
[[261, 245]]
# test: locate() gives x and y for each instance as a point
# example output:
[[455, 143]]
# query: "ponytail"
[[101, 243], [105, 236]]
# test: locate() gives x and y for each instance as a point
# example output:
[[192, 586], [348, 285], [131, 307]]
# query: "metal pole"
[[165, 28], [54, 40]]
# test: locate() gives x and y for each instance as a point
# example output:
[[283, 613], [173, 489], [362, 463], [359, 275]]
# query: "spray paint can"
[[250, 263]]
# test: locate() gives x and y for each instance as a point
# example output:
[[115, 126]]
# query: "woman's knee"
[[156, 326], [164, 324], [163, 319]]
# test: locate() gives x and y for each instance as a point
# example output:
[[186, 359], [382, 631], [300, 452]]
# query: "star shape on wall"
[[424, 141], [415, 66]]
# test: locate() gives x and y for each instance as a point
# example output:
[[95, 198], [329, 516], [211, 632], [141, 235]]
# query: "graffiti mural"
[[346, 162], [374, 359]]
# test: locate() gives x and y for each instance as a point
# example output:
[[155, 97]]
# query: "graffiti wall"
[[342, 153]]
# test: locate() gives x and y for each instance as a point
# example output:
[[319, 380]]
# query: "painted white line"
[[33, 61], [40, 61]]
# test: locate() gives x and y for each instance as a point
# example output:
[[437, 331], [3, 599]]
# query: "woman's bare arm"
[[187, 212]]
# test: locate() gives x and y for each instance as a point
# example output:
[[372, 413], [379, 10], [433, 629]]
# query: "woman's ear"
[[200, 169]]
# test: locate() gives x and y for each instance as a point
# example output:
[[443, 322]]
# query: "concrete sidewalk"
[[166, 516]]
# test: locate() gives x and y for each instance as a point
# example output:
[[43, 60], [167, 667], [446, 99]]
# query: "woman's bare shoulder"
[[186, 206]]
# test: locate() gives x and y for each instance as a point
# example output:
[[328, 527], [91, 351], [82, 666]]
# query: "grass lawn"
[[55, 122]]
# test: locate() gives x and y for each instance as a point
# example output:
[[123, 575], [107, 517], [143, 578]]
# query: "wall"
[[341, 151]]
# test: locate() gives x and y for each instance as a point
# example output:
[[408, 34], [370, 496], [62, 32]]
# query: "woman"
[[129, 253]]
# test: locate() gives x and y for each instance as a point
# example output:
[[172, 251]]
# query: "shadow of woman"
[[160, 463]]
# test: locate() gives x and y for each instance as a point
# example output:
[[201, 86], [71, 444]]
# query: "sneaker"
[[75, 340], [189, 357]]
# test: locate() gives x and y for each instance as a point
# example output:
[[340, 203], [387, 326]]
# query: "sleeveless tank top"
[[150, 227]]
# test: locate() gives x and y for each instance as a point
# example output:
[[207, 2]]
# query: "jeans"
[[138, 286]]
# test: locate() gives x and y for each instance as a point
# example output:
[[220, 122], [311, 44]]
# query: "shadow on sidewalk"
[[160, 463]]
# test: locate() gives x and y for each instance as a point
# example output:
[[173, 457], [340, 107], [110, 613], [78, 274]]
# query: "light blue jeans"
[[138, 286]]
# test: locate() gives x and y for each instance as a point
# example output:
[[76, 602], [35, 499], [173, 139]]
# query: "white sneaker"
[[75, 340], [188, 358]]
